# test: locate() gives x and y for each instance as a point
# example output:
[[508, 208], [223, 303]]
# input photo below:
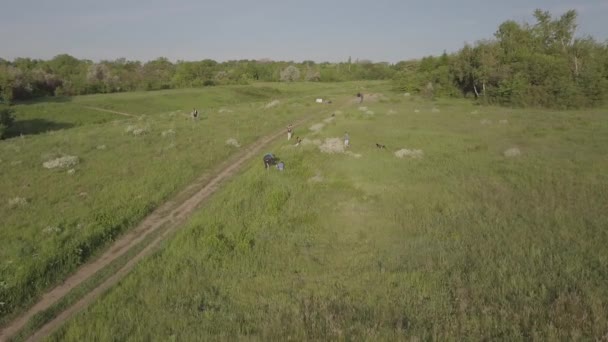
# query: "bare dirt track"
[[166, 219]]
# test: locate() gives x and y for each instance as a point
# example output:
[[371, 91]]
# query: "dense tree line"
[[540, 64], [26, 78]]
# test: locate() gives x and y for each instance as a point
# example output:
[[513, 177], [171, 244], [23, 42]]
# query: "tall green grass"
[[463, 243], [67, 218]]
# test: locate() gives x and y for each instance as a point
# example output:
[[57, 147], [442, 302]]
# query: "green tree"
[[157, 74], [313, 75], [530, 65]]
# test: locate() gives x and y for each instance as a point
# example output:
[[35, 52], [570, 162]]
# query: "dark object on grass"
[[380, 146], [269, 159]]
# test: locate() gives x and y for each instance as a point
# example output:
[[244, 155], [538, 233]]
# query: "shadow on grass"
[[35, 126], [44, 99]]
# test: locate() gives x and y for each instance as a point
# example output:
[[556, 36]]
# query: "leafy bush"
[[209, 83]]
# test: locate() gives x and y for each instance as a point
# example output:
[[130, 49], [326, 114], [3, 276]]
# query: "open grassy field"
[[53, 220], [492, 225]]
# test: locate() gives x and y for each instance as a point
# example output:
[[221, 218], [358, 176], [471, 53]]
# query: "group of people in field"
[[269, 158]]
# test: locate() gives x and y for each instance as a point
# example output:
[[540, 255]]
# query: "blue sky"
[[379, 30]]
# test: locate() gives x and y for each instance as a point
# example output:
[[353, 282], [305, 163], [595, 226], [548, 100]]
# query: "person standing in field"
[[346, 139], [289, 131], [360, 96]]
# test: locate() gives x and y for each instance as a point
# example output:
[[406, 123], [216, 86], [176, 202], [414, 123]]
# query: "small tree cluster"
[[540, 64]]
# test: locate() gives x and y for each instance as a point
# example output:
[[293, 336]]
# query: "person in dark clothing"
[[360, 96], [268, 160]]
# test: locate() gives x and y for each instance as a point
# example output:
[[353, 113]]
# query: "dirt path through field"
[[111, 111], [170, 216]]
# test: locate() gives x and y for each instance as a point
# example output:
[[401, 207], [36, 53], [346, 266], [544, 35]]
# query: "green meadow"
[[474, 223], [53, 220]]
